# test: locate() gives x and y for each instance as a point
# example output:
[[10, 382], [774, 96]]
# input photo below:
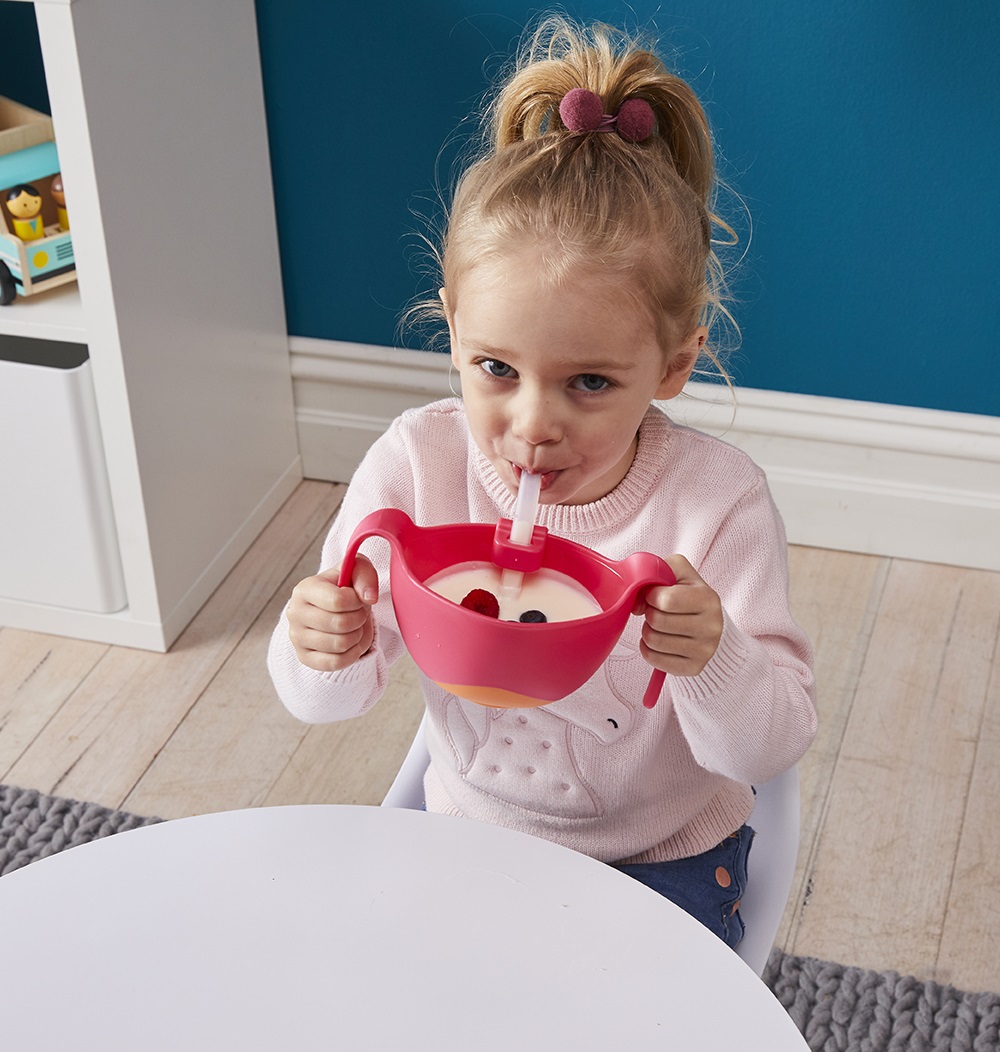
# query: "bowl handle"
[[650, 571], [655, 685], [391, 523]]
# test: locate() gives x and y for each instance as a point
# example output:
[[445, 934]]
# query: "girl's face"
[[556, 381]]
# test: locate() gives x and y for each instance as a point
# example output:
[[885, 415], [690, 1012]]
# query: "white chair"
[[407, 789], [771, 867]]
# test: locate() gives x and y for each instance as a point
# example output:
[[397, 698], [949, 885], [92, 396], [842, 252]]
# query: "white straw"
[[526, 508], [521, 529]]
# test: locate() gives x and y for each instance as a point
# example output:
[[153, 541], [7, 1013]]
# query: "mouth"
[[547, 477]]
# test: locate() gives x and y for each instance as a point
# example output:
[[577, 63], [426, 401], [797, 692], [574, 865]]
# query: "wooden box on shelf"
[[21, 126]]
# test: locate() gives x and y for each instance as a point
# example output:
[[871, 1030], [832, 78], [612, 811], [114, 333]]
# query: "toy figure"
[[24, 203], [59, 196]]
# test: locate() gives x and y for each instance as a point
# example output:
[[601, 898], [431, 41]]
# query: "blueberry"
[[533, 617]]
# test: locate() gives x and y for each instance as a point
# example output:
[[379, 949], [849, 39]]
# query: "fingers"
[[332, 627], [683, 623], [365, 580]]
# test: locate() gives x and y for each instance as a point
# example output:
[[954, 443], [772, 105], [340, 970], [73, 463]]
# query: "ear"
[[682, 363]]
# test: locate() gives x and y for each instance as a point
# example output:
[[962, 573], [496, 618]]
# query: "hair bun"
[[581, 110]]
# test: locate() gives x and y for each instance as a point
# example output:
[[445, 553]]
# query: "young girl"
[[578, 284]]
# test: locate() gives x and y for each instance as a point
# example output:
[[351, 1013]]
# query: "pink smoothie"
[[557, 596]]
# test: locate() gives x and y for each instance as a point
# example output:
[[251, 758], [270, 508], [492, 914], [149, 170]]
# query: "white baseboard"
[[855, 476]]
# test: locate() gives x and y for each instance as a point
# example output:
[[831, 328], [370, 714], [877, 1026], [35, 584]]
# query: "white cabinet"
[[159, 120], [58, 544]]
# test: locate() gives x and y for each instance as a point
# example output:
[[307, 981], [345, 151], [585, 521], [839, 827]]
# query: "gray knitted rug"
[[842, 1009], [837, 1008], [33, 825]]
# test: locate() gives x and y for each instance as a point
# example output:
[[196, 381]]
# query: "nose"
[[536, 418]]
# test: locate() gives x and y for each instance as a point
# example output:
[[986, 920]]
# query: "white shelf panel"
[[190, 361], [53, 315]]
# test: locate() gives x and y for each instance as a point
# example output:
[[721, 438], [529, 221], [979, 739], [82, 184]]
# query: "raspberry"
[[533, 617], [482, 602]]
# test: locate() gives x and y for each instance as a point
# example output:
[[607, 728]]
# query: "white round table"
[[360, 929]]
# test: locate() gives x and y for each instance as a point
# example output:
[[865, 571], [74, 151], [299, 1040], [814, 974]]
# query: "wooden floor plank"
[[37, 674], [835, 597], [886, 852], [970, 943], [105, 736], [235, 741]]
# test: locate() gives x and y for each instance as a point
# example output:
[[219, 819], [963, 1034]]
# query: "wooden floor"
[[899, 866]]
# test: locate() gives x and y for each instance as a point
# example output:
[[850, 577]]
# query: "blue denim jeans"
[[708, 886]]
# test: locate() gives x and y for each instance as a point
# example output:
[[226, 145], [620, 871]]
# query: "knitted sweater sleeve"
[[749, 715], [383, 480]]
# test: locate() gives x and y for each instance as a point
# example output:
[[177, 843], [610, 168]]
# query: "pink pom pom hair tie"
[[583, 111]]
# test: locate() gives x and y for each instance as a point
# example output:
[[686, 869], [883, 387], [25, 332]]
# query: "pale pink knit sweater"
[[596, 771]]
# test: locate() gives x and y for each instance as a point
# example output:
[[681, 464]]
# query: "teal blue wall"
[[864, 136], [22, 76]]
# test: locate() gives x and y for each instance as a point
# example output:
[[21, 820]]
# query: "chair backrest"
[[771, 867], [407, 789]]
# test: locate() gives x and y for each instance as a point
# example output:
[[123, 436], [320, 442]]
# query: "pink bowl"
[[504, 664]]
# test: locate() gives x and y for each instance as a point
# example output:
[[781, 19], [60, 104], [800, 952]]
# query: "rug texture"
[[34, 825], [837, 1008], [843, 1009]]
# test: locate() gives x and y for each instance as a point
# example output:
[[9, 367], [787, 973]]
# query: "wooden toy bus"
[[36, 248]]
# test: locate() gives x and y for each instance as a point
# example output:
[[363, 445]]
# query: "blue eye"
[[591, 382], [496, 368]]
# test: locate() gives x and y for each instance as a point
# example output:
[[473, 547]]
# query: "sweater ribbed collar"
[[613, 510]]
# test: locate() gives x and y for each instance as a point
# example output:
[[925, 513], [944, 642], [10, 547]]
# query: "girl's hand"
[[683, 622], [330, 627]]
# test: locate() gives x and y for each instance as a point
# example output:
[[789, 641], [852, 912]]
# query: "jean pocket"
[[731, 873]]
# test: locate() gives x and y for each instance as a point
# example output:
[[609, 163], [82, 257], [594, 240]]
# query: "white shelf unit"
[[159, 119]]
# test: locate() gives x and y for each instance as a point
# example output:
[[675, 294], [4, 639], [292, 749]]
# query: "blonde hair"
[[639, 214]]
